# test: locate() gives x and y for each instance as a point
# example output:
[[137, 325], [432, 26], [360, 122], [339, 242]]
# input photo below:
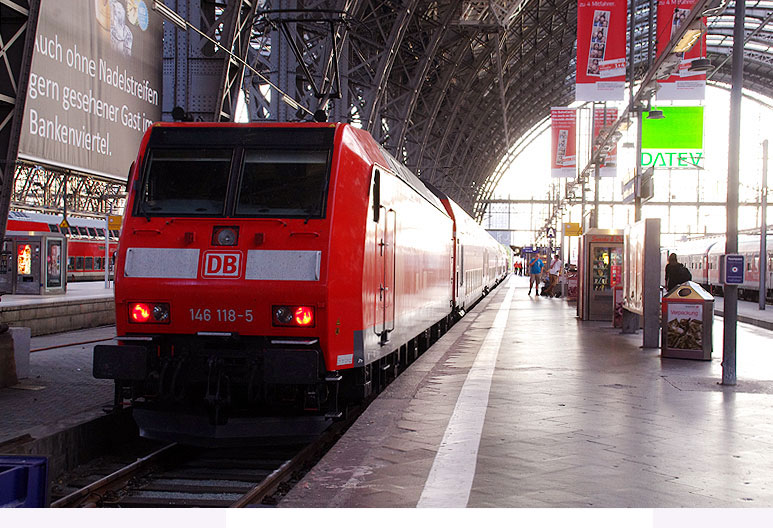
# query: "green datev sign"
[[674, 142]]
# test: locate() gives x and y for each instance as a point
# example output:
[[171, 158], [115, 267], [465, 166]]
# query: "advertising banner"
[[602, 118], [684, 326], [601, 30], [675, 142], [563, 157], [95, 84], [684, 84]]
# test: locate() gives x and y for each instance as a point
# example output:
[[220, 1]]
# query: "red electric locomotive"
[[272, 270]]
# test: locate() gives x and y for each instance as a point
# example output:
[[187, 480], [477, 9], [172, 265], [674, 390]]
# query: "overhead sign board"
[[94, 85], [674, 142], [572, 229]]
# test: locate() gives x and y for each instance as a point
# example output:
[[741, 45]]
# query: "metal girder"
[[18, 23], [37, 188], [236, 20]]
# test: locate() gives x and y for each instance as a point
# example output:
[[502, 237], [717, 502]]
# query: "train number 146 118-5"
[[220, 315]]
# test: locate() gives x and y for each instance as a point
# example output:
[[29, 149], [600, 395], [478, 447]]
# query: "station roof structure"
[[450, 87]]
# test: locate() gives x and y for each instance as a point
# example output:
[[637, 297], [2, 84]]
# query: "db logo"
[[217, 264]]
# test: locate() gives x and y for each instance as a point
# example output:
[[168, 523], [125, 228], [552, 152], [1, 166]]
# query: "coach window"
[[83, 231], [283, 183], [98, 263], [70, 263], [92, 231], [185, 182], [78, 263], [88, 263], [100, 233], [53, 228]]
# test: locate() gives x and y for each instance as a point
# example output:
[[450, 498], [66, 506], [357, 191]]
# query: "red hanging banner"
[[683, 84], [601, 29], [603, 118], [563, 123]]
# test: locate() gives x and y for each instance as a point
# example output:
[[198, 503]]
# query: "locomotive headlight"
[[283, 314], [293, 316], [225, 236], [161, 313]]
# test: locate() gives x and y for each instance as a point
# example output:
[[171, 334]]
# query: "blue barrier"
[[23, 481]]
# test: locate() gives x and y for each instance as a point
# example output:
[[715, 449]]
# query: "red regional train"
[[85, 241], [272, 274]]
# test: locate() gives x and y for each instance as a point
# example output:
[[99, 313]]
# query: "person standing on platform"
[[676, 273], [554, 272], [535, 271]]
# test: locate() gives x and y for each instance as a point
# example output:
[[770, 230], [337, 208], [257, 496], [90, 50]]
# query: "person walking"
[[554, 272], [535, 271]]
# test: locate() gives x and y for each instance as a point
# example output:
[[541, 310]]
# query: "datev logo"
[[222, 264]]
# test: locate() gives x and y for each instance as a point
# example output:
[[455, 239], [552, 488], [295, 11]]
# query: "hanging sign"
[[601, 30], [563, 158], [602, 118], [674, 142], [683, 84]]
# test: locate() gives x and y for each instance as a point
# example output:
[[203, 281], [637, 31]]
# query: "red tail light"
[[140, 312], [304, 316], [293, 316]]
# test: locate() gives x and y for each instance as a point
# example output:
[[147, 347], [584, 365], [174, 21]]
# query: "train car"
[[271, 273], [479, 260], [85, 241], [702, 257]]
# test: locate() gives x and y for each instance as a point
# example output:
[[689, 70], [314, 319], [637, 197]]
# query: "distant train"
[[85, 241], [276, 273], [701, 257]]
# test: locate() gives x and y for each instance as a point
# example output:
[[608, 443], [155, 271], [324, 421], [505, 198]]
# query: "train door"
[[386, 224]]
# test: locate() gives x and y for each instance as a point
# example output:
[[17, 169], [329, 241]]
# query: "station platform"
[[84, 305], [518, 405], [522, 405]]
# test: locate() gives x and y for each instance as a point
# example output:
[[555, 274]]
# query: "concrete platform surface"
[[577, 415], [61, 391]]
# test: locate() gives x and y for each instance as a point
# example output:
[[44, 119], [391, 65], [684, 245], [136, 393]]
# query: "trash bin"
[[23, 481], [687, 322]]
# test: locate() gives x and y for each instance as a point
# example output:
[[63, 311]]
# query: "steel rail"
[[116, 480]]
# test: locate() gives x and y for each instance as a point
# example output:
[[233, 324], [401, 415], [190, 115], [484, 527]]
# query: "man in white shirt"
[[554, 272]]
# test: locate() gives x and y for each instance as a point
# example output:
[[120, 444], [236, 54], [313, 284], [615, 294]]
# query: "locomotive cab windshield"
[[237, 176]]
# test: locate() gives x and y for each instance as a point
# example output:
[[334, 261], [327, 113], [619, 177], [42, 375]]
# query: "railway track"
[[183, 476]]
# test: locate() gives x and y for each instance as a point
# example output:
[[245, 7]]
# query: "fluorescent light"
[[290, 101], [169, 14], [689, 38]]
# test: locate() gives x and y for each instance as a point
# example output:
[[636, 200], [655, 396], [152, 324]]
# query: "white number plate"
[[221, 315]]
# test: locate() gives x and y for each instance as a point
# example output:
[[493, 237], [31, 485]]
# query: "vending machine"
[[601, 269]]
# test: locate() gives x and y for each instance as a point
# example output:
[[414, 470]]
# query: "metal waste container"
[[23, 481], [687, 323]]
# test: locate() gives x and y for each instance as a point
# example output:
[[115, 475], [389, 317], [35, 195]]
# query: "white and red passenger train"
[[279, 270], [702, 256], [85, 241]]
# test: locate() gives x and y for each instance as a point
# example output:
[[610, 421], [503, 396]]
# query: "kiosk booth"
[[600, 269], [33, 263]]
